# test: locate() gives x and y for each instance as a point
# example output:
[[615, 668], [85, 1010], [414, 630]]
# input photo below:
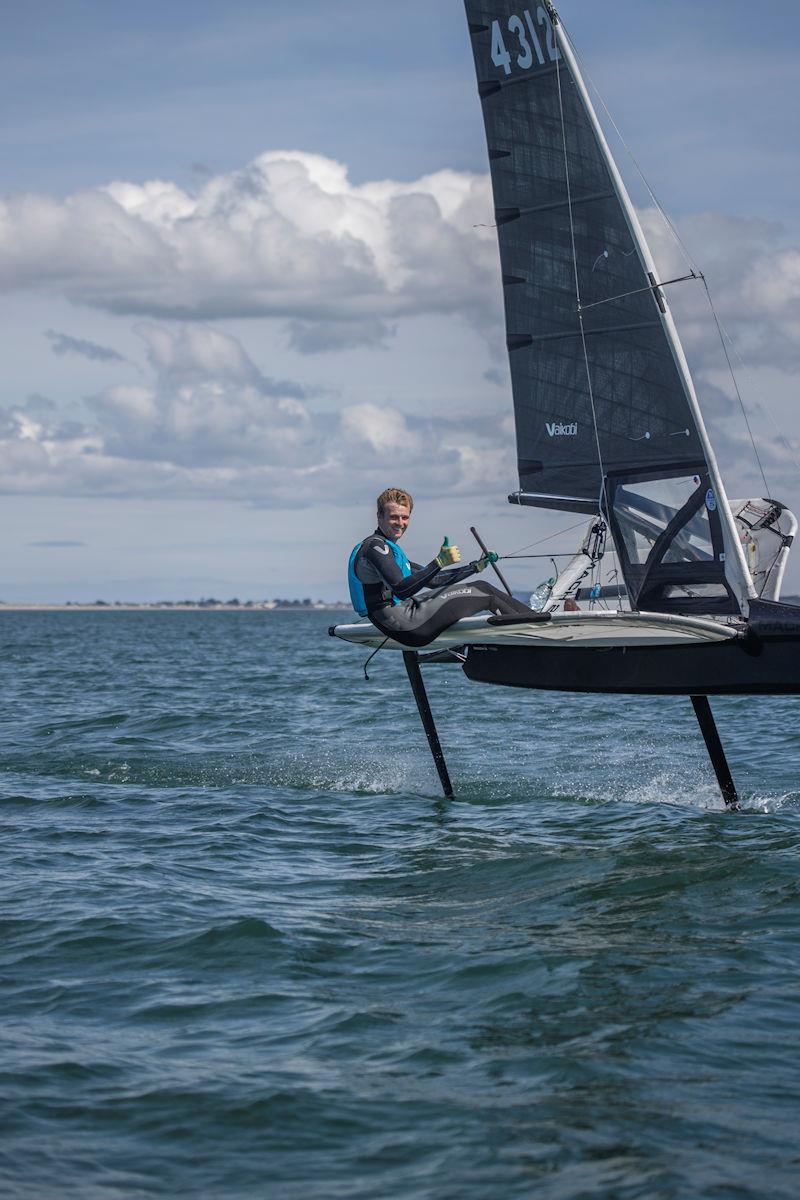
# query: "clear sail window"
[[644, 511], [668, 533], [692, 543]]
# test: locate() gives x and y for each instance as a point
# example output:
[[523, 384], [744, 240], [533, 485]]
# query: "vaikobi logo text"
[[556, 429]]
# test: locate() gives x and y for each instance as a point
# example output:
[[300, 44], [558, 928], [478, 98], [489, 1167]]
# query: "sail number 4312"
[[528, 42]]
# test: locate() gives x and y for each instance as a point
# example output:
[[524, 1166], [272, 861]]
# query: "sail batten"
[[605, 396], [566, 333], [550, 205]]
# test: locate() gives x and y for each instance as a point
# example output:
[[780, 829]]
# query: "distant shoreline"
[[262, 608]]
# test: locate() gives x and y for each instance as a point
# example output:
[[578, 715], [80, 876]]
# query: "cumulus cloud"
[[291, 238], [206, 406], [753, 273], [288, 236], [206, 422], [62, 343]]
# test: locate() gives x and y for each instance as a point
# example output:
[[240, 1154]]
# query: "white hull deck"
[[585, 630]]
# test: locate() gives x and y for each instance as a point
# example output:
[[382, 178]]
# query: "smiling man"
[[385, 584]]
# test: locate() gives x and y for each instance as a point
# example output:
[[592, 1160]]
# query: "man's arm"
[[380, 557], [445, 578]]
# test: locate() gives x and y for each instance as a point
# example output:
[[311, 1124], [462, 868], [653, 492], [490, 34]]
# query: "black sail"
[[543, 200], [602, 403]]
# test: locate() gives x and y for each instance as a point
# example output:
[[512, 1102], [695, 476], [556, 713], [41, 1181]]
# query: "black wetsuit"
[[417, 621]]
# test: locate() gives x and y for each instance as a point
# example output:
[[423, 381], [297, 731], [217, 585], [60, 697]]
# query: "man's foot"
[[513, 619]]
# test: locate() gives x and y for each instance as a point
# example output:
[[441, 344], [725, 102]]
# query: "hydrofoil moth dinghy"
[[607, 424]]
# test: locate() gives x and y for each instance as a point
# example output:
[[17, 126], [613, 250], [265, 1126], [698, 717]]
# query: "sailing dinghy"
[[608, 425]]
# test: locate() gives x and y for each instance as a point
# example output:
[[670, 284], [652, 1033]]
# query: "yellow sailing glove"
[[488, 558], [448, 555]]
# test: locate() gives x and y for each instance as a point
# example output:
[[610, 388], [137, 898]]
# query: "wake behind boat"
[[607, 424]]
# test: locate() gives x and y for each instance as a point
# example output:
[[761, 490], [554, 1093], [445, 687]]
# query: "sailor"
[[385, 586]]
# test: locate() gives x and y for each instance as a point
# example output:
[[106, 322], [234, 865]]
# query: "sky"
[[247, 278]]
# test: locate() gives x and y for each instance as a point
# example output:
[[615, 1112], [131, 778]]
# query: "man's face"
[[393, 520]]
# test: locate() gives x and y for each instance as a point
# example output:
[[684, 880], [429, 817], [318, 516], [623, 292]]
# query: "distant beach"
[[182, 606]]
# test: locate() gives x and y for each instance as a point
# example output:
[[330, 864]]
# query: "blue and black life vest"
[[356, 586]]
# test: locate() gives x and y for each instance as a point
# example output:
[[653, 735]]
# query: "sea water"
[[249, 951]]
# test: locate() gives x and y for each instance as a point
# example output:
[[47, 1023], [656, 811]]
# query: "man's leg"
[[500, 603], [416, 623]]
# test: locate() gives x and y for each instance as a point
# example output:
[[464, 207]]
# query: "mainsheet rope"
[[369, 660]]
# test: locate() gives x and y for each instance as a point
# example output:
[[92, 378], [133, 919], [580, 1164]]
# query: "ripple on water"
[[247, 949]]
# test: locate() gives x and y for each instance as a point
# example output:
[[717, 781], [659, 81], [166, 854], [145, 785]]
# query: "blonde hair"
[[394, 496]]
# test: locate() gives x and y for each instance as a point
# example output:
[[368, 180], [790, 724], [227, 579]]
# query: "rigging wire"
[[695, 271], [662, 211], [638, 291], [787, 445], [555, 554], [603, 496], [548, 538], [727, 337], [736, 387]]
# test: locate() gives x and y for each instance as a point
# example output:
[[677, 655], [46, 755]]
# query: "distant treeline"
[[209, 602]]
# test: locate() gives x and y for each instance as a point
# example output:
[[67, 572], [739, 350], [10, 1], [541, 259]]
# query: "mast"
[[739, 575]]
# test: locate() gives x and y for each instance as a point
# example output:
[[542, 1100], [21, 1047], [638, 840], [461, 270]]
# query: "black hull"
[[757, 667]]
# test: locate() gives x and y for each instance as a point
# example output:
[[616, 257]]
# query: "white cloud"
[[207, 423], [207, 407], [379, 429], [753, 273], [288, 236]]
